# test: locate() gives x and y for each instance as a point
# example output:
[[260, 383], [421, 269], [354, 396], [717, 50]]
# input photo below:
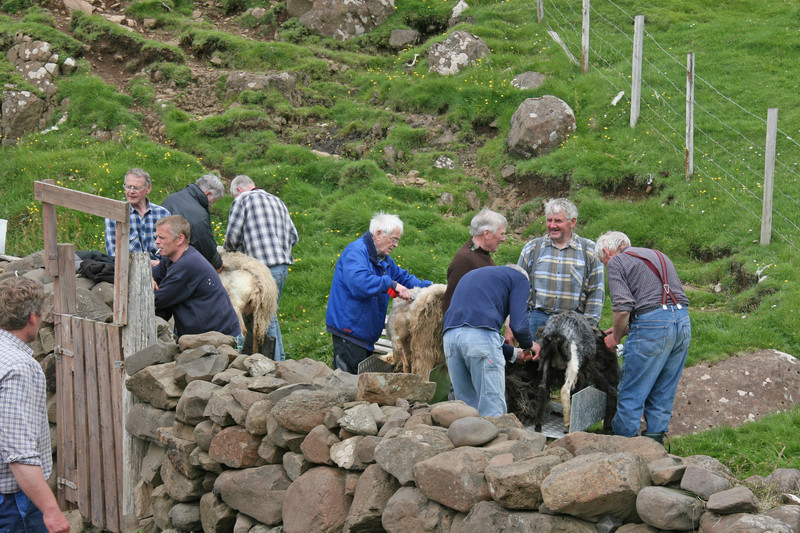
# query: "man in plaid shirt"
[[565, 273], [259, 225], [143, 217], [26, 458]]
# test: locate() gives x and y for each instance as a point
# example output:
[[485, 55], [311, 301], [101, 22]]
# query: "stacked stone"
[[241, 443]]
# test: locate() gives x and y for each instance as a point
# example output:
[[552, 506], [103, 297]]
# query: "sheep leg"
[[543, 398], [570, 378]]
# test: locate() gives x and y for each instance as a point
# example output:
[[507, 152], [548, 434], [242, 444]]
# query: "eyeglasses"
[[395, 240], [133, 188]]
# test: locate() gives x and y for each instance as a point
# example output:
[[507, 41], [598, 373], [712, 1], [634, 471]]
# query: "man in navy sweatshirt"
[[473, 342]]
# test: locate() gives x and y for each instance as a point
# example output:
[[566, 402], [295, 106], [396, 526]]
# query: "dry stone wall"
[[240, 443]]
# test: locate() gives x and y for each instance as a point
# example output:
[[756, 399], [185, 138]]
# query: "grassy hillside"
[[358, 100]]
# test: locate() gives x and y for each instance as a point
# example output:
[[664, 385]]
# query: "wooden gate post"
[[139, 333]]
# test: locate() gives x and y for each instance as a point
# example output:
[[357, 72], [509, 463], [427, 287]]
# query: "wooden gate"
[[98, 462]]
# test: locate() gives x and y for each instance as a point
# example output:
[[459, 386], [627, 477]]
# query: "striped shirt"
[[635, 288], [24, 429], [561, 280], [259, 225], [142, 237]]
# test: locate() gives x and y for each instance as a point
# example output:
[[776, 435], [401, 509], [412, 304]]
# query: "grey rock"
[[702, 482], [539, 125], [460, 49], [666, 508], [402, 449], [472, 431]]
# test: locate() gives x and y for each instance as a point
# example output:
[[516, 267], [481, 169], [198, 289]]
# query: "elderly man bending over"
[[358, 299], [187, 287], [651, 308]]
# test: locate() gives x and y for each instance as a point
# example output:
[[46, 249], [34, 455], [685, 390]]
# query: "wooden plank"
[[121, 261], [81, 201], [689, 115], [81, 431], [108, 457], [563, 46], [769, 175], [539, 10], [95, 474], [64, 305], [636, 74], [139, 334], [50, 239], [117, 384], [585, 37]]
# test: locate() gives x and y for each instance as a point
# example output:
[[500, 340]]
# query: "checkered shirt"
[[24, 430], [557, 279], [259, 225], [143, 231]]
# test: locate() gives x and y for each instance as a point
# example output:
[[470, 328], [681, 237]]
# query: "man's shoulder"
[[158, 210]]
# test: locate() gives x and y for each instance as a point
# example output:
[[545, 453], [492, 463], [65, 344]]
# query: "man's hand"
[[610, 341], [403, 292]]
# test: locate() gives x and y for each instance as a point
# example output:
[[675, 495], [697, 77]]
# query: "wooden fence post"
[[769, 175], [636, 75], [585, 37], [138, 333], [689, 115], [539, 10]]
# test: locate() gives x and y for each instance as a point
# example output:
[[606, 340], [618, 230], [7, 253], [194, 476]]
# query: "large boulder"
[[409, 510], [258, 492], [539, 125], [344, 19], [459, 50]]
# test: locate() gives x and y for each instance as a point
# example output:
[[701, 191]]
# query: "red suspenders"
[[662, 275]]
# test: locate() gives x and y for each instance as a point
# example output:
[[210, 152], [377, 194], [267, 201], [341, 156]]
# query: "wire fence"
[[729, 139]]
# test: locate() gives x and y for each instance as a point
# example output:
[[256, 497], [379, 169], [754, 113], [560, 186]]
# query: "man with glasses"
[[143, 217], [359, 297]]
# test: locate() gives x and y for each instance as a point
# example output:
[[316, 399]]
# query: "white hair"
[[489, 220], [386, 223], [612, 241]]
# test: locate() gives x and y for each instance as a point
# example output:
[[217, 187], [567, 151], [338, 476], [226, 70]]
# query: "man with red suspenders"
[[651, 308]]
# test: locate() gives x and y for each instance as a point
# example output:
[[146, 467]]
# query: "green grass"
[[705, 224]]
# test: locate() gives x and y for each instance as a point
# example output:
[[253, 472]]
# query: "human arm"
[[518, 315], [594, 290], [30, 479], [615, 334], [110, 236], [234, 234]]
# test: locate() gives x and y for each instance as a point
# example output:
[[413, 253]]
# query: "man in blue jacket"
[[473, 344], [359, 293]]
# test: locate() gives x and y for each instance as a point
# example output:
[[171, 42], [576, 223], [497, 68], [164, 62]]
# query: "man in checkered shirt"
[[26, 460], [565, 273], [143, 217], [259, 225]]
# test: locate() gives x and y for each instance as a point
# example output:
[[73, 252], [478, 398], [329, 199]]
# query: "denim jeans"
[[477, 368], [279, 272], [536, 319], [653, 358], [19, 515]]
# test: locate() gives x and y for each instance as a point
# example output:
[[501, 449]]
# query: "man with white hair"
[[359, 296], [564, 272], [260, 226], [488, 230], [193, 204], [651, 308]]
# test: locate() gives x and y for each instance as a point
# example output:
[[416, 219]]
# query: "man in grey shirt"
[[651, 308]]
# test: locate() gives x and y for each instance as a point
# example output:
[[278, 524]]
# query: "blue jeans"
[[279, 272], [19, 515], [536, 319], [477, 368], [653, 358]]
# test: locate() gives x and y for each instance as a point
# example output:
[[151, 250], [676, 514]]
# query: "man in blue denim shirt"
[[26, 460], [651, 308]]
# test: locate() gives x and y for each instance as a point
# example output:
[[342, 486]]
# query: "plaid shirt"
[[259, 225], [24, 430], [143, 231], [559, 280]]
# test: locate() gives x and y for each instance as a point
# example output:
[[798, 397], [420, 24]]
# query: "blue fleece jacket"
[[358, 299]]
